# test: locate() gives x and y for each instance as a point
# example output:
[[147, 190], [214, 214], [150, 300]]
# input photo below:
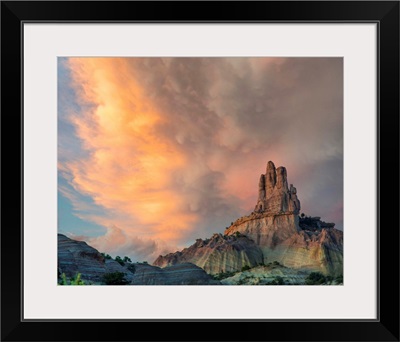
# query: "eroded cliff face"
[[271, 233], [266, 229], [280, 240], [217, 254]]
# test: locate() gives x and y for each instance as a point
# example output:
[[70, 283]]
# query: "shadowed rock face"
[[218, 254], [78, 256]]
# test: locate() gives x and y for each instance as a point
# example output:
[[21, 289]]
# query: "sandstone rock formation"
[[218, 254], [320, 251], [274, 196], [78, 256], [273, 232], [274, 226]]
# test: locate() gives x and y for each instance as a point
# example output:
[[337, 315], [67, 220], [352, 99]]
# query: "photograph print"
[[200, 171]]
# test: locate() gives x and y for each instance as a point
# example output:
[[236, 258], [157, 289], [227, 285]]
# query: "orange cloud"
[[129, 167]]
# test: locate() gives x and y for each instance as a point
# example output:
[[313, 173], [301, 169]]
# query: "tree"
[[115, 278], [278, 281], [245, 268], [315, 278], [119, 260], [127, 259], [106, 256], [339, 279]]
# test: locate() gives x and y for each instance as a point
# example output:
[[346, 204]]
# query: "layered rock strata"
[[217, 254], [78, 257], [182, 274]]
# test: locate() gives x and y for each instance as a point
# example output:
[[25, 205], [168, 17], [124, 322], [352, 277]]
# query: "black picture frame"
[[384, 13]]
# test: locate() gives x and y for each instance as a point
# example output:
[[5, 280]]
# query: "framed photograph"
[[194, 163]]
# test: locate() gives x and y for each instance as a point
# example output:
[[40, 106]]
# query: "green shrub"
[[115, 278], [245, 268], [223, 275], [339, 279], [329, 279], [73, 281], [63, 280], [315, 278], [119, 260], [241, 281], [276, 263], [277, 281], [106, 256], [77, 280], [127, 259]]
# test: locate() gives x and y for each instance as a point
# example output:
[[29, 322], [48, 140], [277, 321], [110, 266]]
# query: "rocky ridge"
[[78, 257]]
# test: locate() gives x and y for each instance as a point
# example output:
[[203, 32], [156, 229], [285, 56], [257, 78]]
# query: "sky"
[[156, 152]]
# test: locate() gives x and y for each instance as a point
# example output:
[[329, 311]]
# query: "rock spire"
[[274, 195]]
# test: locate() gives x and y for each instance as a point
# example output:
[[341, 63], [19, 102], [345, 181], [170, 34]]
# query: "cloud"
[[172, 148]]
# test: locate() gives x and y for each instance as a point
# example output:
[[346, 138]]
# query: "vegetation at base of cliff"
[[76, 280], [223, 275], [339, 279], [115, 278], [277, 281], [317, 278], [252, 280]]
